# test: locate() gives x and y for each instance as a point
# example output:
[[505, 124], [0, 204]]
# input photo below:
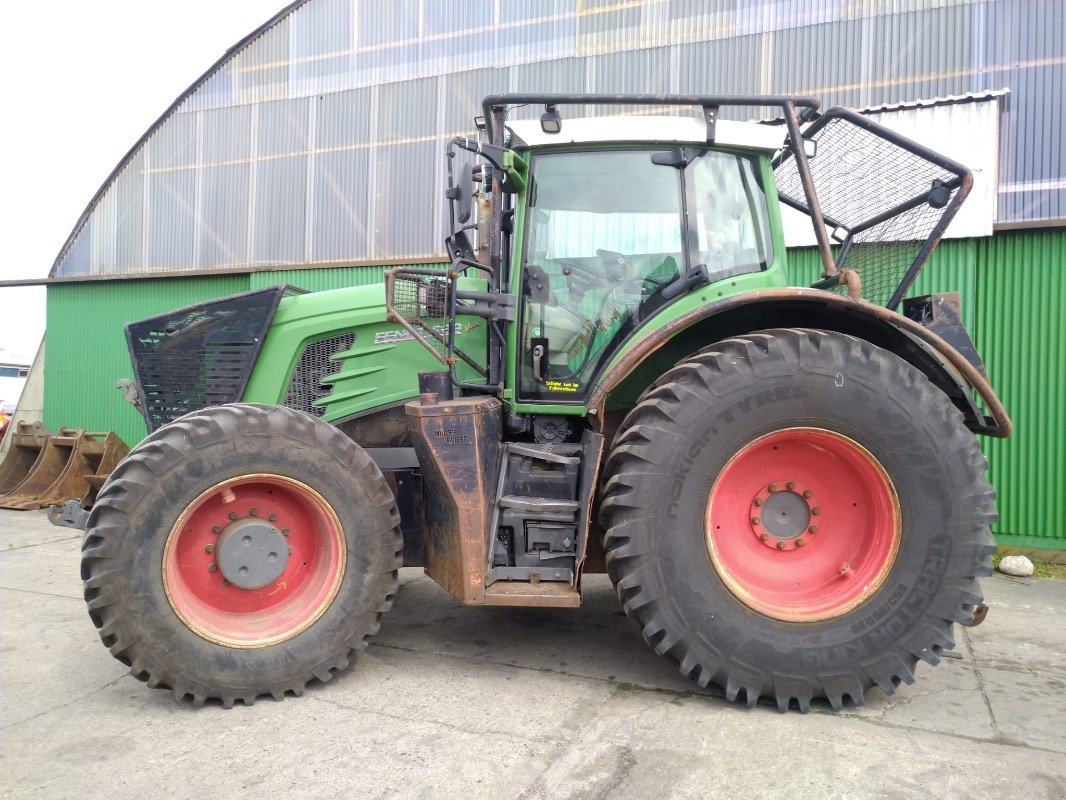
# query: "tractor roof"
[[650, 129]]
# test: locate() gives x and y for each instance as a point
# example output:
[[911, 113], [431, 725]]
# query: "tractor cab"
[[619, 218]]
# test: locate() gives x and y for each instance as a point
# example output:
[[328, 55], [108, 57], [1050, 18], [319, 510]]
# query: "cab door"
[[609, 234]]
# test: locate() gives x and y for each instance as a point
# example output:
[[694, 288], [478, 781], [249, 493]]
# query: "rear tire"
[[239, 551], [748, 471]]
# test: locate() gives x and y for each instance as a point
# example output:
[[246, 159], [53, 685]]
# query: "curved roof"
[[316, 139]]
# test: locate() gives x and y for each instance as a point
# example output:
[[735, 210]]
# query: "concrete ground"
[[497, 703]]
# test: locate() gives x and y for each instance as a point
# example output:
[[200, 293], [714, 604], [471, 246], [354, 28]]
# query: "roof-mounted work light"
[[550, 121]]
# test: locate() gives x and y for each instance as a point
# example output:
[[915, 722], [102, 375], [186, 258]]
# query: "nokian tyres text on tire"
[[239, 551], [796, 514]]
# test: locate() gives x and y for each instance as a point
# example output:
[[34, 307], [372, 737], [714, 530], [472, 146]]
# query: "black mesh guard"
[[885, 199], [201, 355], [419, 298]]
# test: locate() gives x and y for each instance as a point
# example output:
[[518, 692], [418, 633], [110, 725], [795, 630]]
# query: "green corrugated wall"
[[86, 350], [1021, 333], [1013, 289], [318, 280], [952, 268]]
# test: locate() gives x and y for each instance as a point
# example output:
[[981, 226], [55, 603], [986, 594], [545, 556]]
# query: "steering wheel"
[[616, 266]]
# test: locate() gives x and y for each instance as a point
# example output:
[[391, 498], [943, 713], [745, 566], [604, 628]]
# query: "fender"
[[794, 307]]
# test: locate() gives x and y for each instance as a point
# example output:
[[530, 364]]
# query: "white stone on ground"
[[1016, 565]]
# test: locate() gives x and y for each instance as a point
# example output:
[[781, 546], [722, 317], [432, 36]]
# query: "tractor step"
[[540, 521], [541, 505], [509, 521], [546, 595]]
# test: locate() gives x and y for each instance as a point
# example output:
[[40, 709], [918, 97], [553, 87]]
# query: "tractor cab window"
[[605, 233], [732, 226]]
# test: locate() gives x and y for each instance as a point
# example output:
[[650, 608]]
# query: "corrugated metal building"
[[311, 153]]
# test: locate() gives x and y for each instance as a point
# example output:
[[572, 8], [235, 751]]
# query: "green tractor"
[[614, 373]]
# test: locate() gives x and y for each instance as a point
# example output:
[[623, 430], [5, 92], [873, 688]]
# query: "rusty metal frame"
[[835, 272], [1001, 423]]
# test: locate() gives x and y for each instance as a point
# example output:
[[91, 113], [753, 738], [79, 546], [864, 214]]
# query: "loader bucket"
[[71, 465], [27, 441]]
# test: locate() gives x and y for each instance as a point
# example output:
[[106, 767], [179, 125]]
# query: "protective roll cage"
[[872, 247]]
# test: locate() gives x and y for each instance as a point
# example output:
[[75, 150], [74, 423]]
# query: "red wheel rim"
[[298, 558], [803, 524]]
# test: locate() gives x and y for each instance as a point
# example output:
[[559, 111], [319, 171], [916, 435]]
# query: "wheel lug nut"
[[290, 551], [217, 529], [807, 494], [845, 568], [800, 543], [225, 582], [273, 518], [790, 485], [754, 520], [812, 529], [212, 567], [780, 545], [284, 531], [209, 549], [758, 501], [254, 511], [816, 511], [233, 515], [771, 488], [763, 537]]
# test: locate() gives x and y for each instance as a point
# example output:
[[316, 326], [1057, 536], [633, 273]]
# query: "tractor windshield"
[[607, 231]]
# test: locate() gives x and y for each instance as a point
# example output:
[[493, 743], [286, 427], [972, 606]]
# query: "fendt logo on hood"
[[403, 335]]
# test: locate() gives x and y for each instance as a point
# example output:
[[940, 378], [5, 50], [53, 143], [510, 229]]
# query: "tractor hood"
[[325, 353]]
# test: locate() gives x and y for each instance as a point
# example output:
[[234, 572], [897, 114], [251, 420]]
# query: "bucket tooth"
[[71, 465]]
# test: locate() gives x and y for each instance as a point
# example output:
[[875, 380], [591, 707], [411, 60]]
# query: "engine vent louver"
[[315, 363]]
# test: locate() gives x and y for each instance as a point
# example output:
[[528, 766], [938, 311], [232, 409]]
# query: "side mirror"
[[462, 193]]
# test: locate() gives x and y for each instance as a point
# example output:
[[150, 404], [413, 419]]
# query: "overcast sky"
[[82, 81]]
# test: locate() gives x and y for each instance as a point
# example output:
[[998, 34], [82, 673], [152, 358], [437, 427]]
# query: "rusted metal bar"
[[934, 239], [803, 169], [980, 611], [845, 277]]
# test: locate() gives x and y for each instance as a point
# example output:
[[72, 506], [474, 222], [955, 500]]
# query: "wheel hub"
[[781, 515], [252, 553], [802, 524]]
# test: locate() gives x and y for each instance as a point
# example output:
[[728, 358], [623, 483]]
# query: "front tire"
[[797, 514], [239, 551]]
